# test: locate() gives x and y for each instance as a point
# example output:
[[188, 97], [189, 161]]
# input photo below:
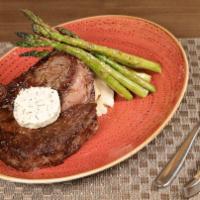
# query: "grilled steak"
[[28, 149]]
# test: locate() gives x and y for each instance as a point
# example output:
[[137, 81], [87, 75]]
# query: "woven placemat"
[[133, 178]]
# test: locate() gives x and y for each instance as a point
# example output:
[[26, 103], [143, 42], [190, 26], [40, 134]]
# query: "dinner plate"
[[129, 125]]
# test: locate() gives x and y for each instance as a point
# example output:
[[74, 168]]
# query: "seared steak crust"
[[30, 149]]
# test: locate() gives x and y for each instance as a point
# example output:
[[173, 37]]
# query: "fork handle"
[[173, 167], [192, 187]]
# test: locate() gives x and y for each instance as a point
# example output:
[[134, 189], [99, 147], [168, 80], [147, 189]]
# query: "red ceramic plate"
[[130, 125]]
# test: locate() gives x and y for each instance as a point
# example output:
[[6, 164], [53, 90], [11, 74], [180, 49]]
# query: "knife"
[[170, 171], [193, 186]]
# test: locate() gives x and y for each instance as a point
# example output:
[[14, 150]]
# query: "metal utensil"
[[192, 187], [171, 170]]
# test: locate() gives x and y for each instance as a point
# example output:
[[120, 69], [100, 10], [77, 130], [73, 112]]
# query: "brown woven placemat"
[[133, 178]]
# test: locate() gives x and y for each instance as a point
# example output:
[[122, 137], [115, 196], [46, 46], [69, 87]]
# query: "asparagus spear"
[[39, 54], [132, 75], [88, 59], [91, 61], [144, 76], [124, 58], [65, 31]]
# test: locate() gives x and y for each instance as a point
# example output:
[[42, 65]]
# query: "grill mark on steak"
[[30, 149], [80, 89], [55, 73]]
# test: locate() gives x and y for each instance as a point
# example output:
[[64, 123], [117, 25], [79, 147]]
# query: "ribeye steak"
[[29, 149]]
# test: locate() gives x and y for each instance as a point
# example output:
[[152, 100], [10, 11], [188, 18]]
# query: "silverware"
[[192, 187], [171, 170]]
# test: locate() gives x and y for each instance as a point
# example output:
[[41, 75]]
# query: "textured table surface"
[[133, 178]]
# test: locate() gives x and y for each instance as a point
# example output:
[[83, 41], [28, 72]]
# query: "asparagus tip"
[[26, 12], [22, 35], [159, 70], [31, 16], [153, 89]]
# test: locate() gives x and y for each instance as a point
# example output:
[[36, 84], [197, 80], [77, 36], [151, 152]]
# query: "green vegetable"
[[45, 30], [132, 75], [65, 31], [38, 54], [88, 59], [95, 65]]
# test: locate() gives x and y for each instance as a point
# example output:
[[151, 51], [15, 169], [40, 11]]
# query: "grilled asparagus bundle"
[[106, 63]]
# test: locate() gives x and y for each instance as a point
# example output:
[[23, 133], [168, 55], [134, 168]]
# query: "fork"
[[193, 186]]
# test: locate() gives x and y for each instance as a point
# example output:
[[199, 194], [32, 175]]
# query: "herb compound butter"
[[36, 107]]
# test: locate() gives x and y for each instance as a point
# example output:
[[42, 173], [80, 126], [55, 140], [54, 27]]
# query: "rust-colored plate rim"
[[131, 153]]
